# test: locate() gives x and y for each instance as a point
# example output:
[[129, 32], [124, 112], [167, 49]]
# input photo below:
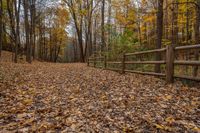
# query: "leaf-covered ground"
[[75, 98]]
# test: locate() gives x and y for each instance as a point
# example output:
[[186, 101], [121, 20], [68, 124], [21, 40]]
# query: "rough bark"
[[197, 40], [27, 30], [1, 26], [102, 26], [159, 32], [17, 37], [175, 23], [78, 21]]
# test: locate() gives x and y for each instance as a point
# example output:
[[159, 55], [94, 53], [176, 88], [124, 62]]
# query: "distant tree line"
[[34, 28], [39, 28]]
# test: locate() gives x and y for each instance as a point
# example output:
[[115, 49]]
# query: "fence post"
[[170, 64], [105, 62], [123, 63]]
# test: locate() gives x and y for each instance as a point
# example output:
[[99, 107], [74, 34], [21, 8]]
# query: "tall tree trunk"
[[57, 53], [175, 23], [79, 31], [139, 33], [1, 26], [109, 24], [40, 39], [80, 36], [95, 35], [27, 30], [166, 22], [102, 26], [17, 36], [44, 45], [32, 26], [187, 24], [78, 21], [146, 33], [11, 7], [90, 15], [50, 42], [197, 40], [75, 49], [159, 33]]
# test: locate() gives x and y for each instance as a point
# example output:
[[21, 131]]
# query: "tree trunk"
[[32, 27], [175, 23], [187, 25], [159, 33], [12, 7], [197, 40], [27, 30], [17, 36], [102, 26], [166, 22], [95, 35], [1, 26], [109, 24]]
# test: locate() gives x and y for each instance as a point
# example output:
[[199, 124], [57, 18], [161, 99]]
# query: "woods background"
[[72, 30]]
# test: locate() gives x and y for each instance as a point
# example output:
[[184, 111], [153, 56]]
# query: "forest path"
[[74, 97]]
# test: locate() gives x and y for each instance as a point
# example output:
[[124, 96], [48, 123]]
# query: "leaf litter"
[[75, 98]]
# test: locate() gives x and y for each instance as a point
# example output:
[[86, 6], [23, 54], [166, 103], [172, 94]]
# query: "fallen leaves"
[[170, 120], [27, 102], [162, 127], [74, 98]]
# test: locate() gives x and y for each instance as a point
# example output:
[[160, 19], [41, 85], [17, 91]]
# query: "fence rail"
[[169, 62], [146, 52], [145, 62]]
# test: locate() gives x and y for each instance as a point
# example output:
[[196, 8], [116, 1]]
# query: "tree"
[[159, 32], [14, 15], [76, 11], [27, 30], [175, 23], [197, 40], [17, 15], [1, 26], [59, 34], [102, 26], [32, 26]]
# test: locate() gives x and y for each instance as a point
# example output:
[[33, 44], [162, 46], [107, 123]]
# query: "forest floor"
[[75, 98]]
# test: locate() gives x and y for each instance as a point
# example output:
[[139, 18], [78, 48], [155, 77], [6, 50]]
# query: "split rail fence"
[[169, 62]]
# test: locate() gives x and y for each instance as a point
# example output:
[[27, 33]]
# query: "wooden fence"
[[169, 61]]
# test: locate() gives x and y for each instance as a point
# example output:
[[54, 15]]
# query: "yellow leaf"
[[29, 121], [169, 120], [27, 101], [194, 103], [169, 97], [159, 126], [2, 115], [166, 98], [196, 129], [163, 127], [22, 115]]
